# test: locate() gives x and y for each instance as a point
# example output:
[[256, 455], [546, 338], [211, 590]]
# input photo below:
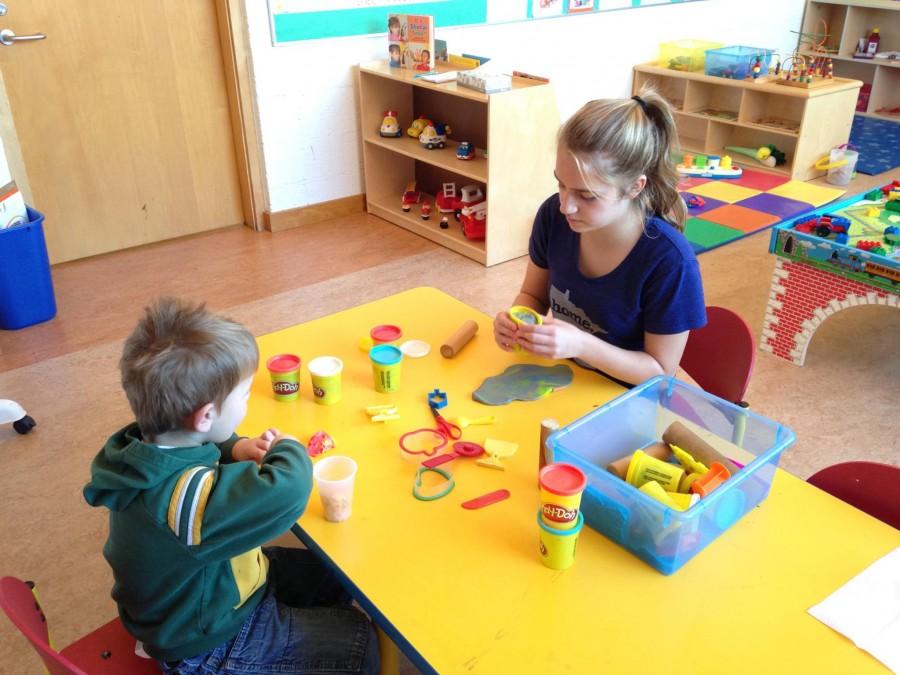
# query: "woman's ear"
[[201, 419], [637, 187]]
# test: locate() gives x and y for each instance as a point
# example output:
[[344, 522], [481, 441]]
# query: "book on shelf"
[[411, 41]]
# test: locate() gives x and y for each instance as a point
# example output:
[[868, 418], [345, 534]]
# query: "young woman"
[[608, 260]]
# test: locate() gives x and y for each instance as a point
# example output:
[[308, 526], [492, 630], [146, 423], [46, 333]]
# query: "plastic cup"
[[325, 373], [386, 361], [644, 468], [558, 546], [334, 479], [284, 369], [561, 487]]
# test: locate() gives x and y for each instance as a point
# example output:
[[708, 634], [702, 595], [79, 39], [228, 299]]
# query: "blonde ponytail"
[[618, 140]]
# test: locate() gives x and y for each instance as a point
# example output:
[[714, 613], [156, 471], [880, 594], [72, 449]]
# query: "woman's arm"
[[556, 339], [533, 293]]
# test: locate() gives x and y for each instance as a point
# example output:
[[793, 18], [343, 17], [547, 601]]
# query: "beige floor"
[[842, 403]]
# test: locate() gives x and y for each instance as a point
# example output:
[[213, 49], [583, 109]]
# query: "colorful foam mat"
[[730, 209]]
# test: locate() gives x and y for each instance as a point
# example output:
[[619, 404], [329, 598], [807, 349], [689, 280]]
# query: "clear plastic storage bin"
[[685, 55], [735, 62], [662, 536]]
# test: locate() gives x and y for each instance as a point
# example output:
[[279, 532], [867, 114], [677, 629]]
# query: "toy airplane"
[[713, 167]]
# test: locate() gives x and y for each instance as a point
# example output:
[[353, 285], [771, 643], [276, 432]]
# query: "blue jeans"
[[305, 624]]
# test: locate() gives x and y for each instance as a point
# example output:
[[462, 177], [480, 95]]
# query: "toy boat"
[[714, 167]]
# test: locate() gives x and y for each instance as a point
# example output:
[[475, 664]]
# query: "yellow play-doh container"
[[325, 374], [644, 468], [561, 488], [284, 370], [557, 547]]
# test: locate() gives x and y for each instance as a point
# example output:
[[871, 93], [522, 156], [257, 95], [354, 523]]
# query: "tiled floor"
[[842, 403]]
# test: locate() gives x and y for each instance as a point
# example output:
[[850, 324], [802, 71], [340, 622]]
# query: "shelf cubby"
[[718, 112], [507, 126], [848, 21], [673, 90]]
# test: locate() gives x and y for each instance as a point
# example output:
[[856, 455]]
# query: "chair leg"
[[390, 655]]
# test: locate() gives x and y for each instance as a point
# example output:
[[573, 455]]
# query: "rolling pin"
[[459, 339], [620, 466], [687, 440]]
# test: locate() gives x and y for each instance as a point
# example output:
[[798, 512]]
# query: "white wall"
[[307, 98]]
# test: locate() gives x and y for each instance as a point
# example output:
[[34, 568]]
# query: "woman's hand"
[[254, 449], [504, 331], [553, 339]]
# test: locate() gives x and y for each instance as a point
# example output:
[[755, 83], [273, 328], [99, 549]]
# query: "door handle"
[[8, 38]]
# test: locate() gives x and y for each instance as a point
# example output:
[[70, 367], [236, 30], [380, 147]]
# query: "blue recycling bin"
[[26, 288]]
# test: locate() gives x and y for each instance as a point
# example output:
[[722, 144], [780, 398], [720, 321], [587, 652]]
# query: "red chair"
[[720, 356], [107, 650], [869, 486]]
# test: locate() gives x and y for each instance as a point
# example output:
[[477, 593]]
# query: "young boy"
[[191, 503]]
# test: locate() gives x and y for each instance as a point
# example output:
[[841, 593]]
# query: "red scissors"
[[447, 429], [427, 441]]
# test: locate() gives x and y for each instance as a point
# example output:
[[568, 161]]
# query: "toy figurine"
[[390, 128], [418, 126], [434, 135], [425, 210], [465, 150], [410, 196]]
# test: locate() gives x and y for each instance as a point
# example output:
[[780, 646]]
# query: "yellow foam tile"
[[723, 191], [804, 192]]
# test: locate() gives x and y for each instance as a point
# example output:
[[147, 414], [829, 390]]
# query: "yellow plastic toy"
[[496, 450], [690, 464]]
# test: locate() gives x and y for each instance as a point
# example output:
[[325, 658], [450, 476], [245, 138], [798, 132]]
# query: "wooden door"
[[123, 121]]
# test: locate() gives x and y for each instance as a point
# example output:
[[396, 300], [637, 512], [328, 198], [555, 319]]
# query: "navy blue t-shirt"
[[657, 288]]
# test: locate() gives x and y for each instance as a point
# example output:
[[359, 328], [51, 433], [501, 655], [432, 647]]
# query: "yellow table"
[[464, 591]]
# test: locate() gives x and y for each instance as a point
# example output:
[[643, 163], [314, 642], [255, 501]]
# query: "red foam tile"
[[740, 218]]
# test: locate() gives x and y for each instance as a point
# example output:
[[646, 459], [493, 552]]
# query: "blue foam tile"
[[878, 143]]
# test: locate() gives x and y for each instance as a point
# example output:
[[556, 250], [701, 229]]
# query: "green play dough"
[[523, 382]]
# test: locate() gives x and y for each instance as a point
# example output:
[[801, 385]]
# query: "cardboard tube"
[[548, 426], [459, 339], [656, 450], [687, 440]]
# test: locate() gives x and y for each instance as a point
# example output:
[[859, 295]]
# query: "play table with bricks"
[[839, 256]]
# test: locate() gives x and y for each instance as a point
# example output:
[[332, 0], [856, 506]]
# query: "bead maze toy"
[[828, 260]]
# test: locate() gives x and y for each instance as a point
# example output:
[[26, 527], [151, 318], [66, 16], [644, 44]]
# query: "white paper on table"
[[867, 610]]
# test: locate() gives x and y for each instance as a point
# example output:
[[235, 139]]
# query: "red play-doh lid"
[[283, 363], [385, 333], [562, 479]]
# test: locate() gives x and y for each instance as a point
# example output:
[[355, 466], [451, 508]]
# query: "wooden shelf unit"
[[849, 20], [713, 112], [518, 127]]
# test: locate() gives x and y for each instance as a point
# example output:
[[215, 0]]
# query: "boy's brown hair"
[[179, 358]]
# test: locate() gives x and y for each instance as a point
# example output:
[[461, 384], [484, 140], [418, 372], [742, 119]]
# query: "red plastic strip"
[[486, 500], [437, 461]]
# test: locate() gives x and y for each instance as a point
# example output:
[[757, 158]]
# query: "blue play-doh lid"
[[385, 355]]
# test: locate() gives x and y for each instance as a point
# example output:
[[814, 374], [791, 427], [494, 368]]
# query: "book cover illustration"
[[411, 41]]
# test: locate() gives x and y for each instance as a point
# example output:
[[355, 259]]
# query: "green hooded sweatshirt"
[[185, 530]]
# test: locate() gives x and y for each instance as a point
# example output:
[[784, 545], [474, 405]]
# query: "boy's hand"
[[254, 449]]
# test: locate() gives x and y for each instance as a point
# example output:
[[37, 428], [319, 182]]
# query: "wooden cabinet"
[[714, 112], [517, 129], [847, 21]]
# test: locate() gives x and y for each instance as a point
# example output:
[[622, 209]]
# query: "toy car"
[[434, 135], [410, 196], [448, 202], [695, 201], [465, 150], [474, 220], [418, 126], [390, 128], [10, 411]]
